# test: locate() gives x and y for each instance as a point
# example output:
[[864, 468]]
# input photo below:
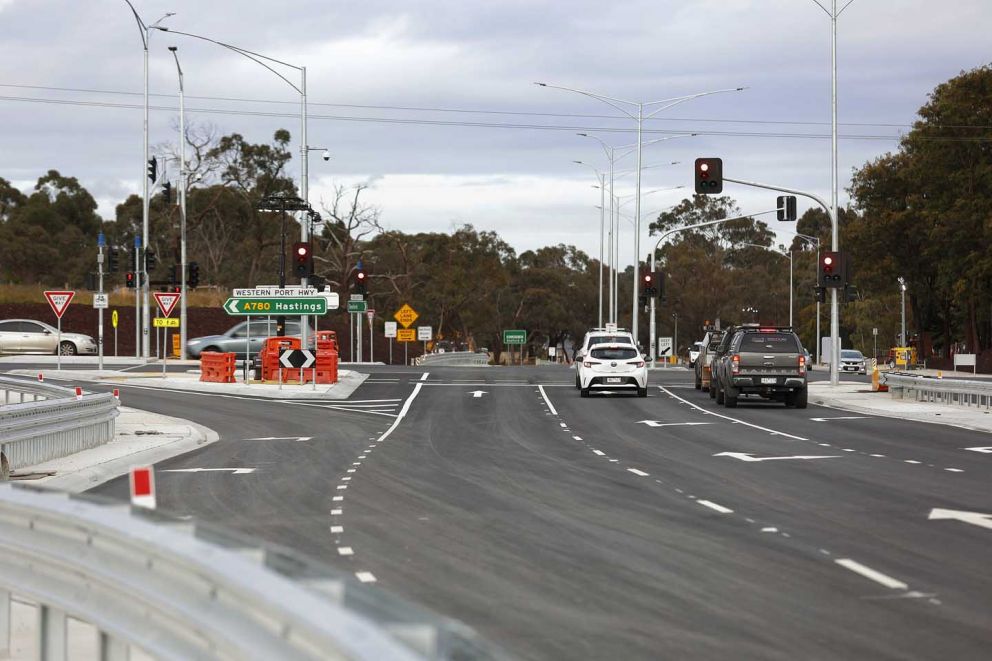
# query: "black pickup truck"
[[761, 360]]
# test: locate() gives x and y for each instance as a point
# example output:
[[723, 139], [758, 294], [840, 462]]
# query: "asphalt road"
[[562, 527]]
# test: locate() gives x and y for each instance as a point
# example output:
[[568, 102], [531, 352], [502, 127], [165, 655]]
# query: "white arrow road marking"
[[986, 450], [281, 438], [974, 518], [236, 471], [478, 393], [747, 456], [870, 573], [655, 423], [843, 417]]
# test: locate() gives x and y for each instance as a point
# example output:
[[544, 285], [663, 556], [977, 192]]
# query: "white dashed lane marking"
[[713, 506], [365, 576], [871, 574], [337, 530], [637, 472], [345, 550]]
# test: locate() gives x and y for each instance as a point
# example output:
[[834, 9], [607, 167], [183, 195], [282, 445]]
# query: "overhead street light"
[[602, 221]]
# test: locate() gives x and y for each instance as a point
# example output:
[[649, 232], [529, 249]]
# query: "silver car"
[[852, 360], [29, 336], [239, 337]]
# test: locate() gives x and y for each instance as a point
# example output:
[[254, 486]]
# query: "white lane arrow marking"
[[232, 306], [986, 450], [477, 393], [974, 518], [747, 456], [280, 438], [845, 417], [235, 471], [655, 423]]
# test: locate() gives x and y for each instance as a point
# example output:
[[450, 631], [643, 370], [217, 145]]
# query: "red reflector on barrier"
[[143, 487], [79, 393], [41, 377], [117, 393]]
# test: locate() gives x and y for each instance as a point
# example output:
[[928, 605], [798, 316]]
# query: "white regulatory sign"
[[390, 329], [425, 333], [101, 301], [267, 291], [664, 346]]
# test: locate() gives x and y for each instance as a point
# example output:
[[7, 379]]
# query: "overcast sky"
[[374, 68]]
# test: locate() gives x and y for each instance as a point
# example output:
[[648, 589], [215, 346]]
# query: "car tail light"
[[735, 364], [802, 364], [638, 363]]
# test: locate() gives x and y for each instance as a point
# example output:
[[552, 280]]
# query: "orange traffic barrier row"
[[217, 367]]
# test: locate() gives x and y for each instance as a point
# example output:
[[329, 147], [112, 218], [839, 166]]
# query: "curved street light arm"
[[682, 99], [825, 10], [141, 24], [608, 100]]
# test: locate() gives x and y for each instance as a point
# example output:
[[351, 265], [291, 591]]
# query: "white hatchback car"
[[599, 336], [613, 367]]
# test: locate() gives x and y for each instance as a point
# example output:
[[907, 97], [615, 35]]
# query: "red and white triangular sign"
[[167, 302], [59, 300]]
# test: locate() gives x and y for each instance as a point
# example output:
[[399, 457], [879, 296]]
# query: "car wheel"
[[712, 390], [802, 398], [699, 383], [719, 394], [642, 392], [583, 392], [67, 349], [730, 401], [577, 384]]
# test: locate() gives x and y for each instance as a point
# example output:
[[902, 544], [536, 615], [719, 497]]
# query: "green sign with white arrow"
[[262, 307]]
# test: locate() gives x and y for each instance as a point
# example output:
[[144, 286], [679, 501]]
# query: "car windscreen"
[[614, 353], [769, 343], [851, 354]]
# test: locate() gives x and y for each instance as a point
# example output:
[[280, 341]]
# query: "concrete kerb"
[[857, 398]]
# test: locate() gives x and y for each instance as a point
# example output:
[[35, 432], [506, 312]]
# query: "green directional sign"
[[283, 305], [514, 337], [357, 306]]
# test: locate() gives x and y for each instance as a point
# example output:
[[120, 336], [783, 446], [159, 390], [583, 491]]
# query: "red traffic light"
[[647, 277], [360, 276]]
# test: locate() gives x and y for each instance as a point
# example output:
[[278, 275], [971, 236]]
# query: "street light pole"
[[183, 174], [600, 177], [902, 292]]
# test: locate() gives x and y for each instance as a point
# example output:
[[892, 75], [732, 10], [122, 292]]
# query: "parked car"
[[236, 338], [852, 360], [765, 361], [29, 336], [612, 366]]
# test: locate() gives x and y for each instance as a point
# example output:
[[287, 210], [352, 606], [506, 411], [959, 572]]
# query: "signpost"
[[406, 335], [515, 337], [664, 349], [389, 331], [276, 306], [165, 322], [166, 303], [355, 307], [425, 334], [113, 322], [59, 302], [406, 315], [370, 315]]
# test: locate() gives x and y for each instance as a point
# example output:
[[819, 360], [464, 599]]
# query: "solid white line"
[[423, 377], [637, 472], [369, 401], [346, 550], [713, 506], [726, 417], [365, 576], [871, 574], [547, 401], [403, 411], [601, 454]]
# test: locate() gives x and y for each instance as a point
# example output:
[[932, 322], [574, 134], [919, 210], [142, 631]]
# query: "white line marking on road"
[[713, 506], [233, 471], [954, 470], [785, 534], [281, 438], [974, 518], [749, 520], [740, 422], [825, 445], [679, 490], [365, 576], [336, 530], [562, 424], [403, 411], [547, 401], [871, 574], [342, 486], [614, 461], [335, 512], [769, 529], [984, 450], [345, 479], [747, 456], [351, 470], [346, 550], [848, 449], [337, 498], [844, 417], [601, 454], [824, 551], [876, 455], [368, 401], [637, 472], [910, 461], [423, 377], [577, 438]]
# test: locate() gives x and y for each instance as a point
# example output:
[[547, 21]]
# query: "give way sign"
[[167, 302], [59, 300]]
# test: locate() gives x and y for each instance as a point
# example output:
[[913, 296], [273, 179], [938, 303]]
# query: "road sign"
[[370, 314], [357, 306], [333, 299], [664, 346], [611, 328], [298, 305], [406, 315], [165, 322], [143, 486], [167, 301], [113, 318], [425, 333], [514, 337], [357, 297], [273, 292], [390, 329], [406, 335], [297, 358], [59, 300], [101, 301]]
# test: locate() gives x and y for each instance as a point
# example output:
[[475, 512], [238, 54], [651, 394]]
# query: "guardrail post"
[[112, 649], [4, 624], [52, 639]]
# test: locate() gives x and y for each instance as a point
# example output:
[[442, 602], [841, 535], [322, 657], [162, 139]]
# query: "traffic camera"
[[709, 176]]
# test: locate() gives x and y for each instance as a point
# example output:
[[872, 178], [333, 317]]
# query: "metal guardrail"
[[57, 426], [958, 392], [181, 591], [455, 359]]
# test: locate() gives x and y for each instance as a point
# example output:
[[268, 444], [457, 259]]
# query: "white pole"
[[145, 239], [182, 212], [613, 243], [304, 189], [818, 307], [100, 322], [791, 290], [834, 308], [637, 224], [602, 230], [371, 347]]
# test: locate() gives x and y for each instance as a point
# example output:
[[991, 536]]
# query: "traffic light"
[[193, 276], [786, 205], [832, 270], [167, 192], [90, 281], [129, 280], [113, 259], [648, 288], [152, 169], [361, 286], [709, 176], [303, 258], [150, 260], [821, 294]]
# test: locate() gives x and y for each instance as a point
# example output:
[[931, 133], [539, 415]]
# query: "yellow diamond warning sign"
[[406, 315]]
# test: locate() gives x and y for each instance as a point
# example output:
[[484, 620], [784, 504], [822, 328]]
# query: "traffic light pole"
[[834, 309], [137, 297], [99, 267], [652, 327]]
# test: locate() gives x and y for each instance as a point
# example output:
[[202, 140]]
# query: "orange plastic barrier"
[[217, 367], [271, 349]]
